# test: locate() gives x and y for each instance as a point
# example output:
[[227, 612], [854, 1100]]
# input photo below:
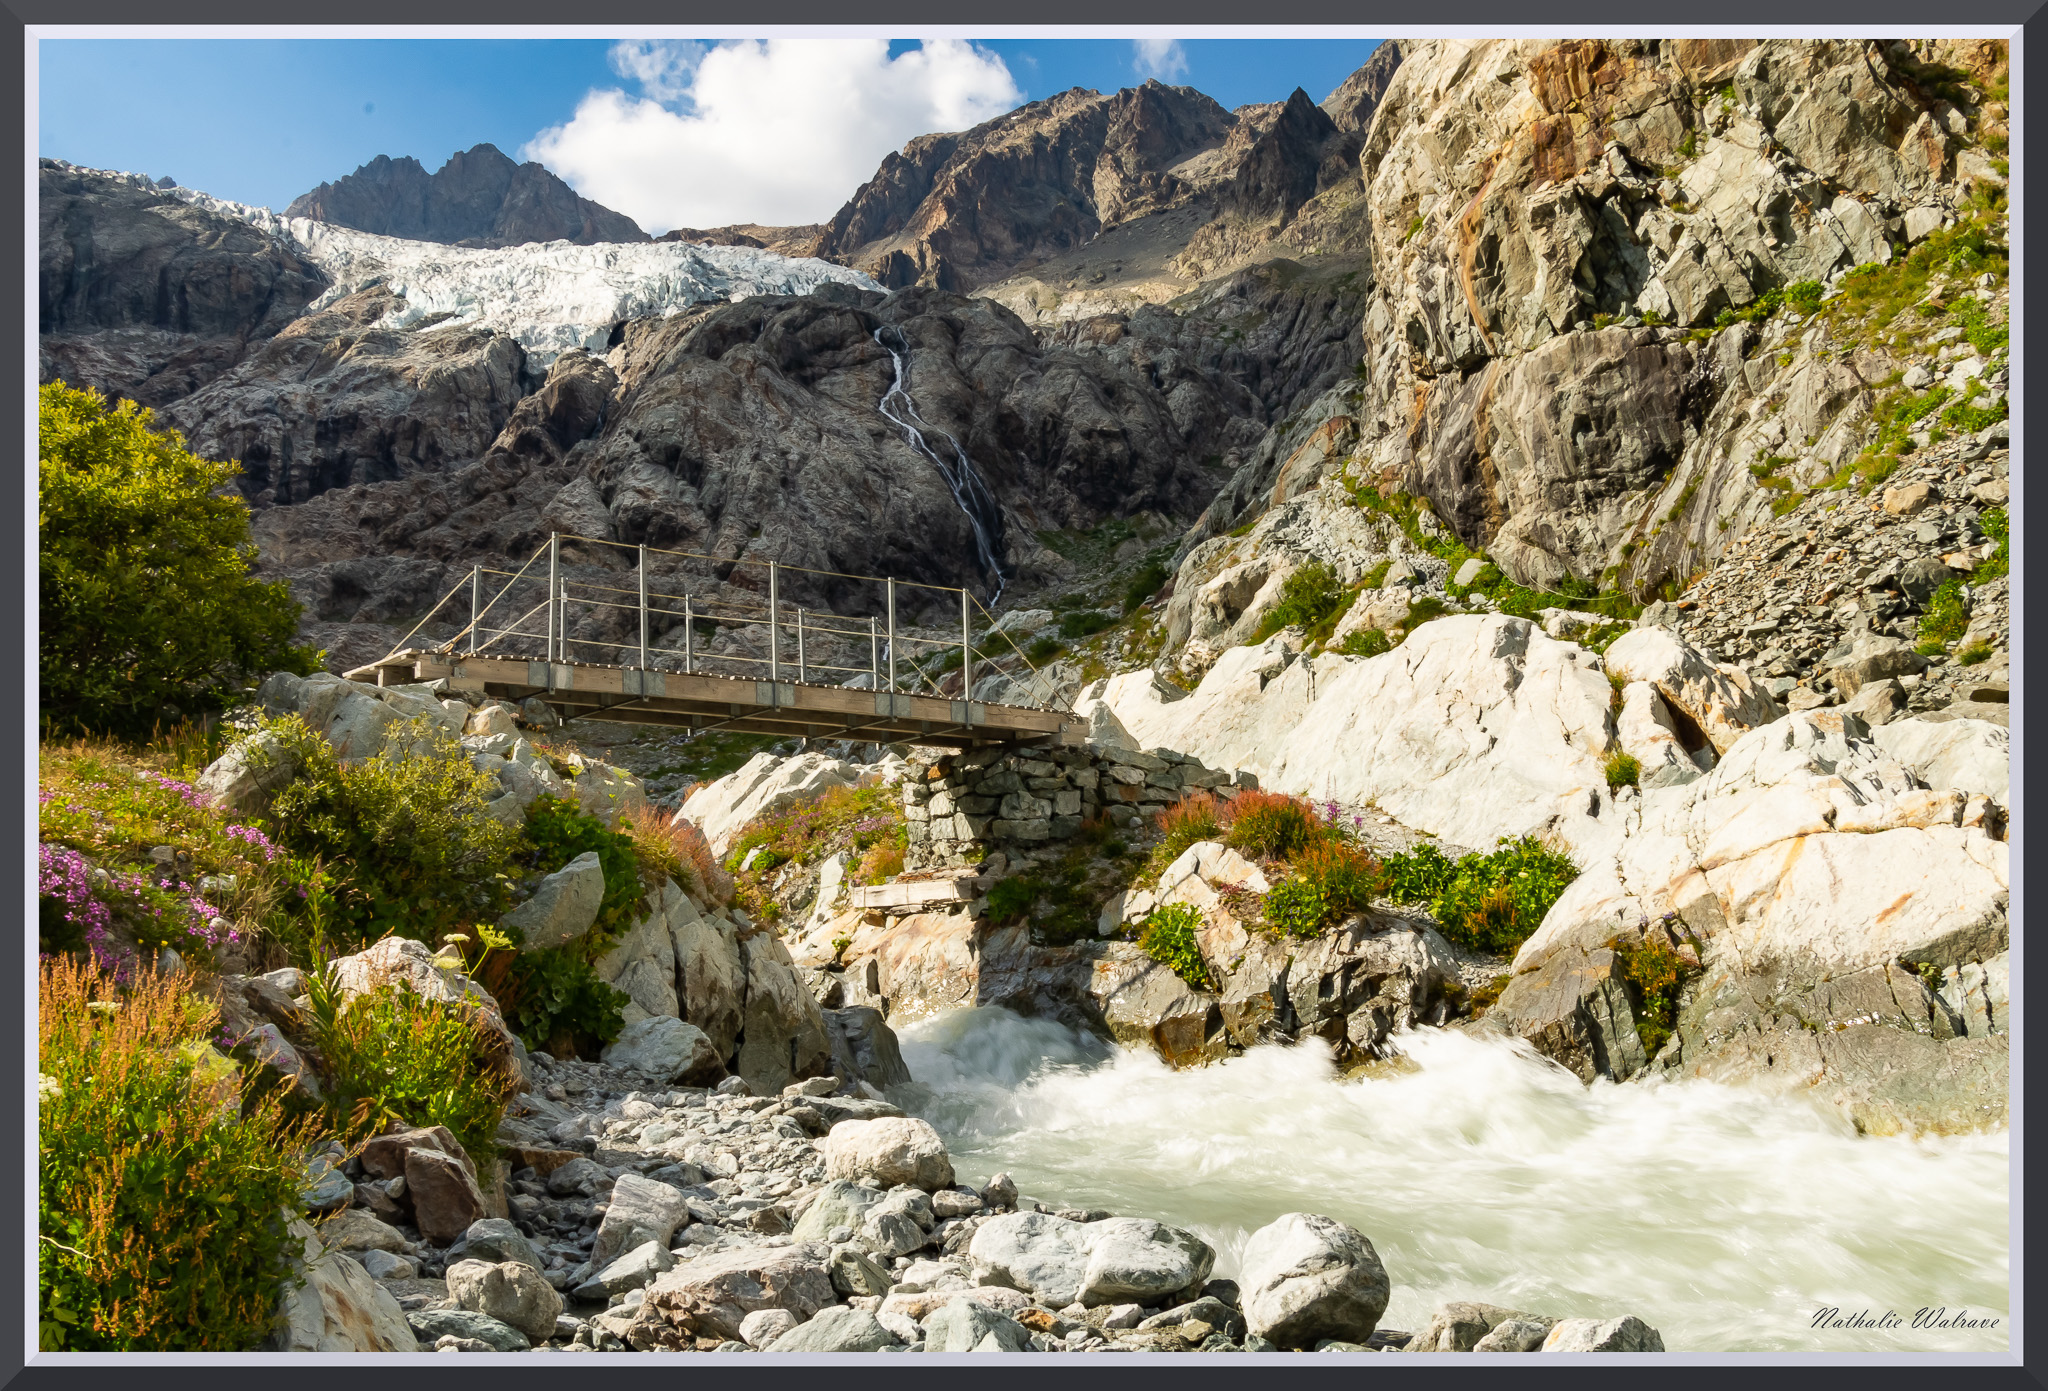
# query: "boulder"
[[443, 1194], [402, 962], [1872, 657], [837, 1329], [1061, 1262], [782, 1029], [764, 1326], [709, 1296], [855, 1275], [864, 1047], [1461, 1326], [1304, 1278], [496, 1239], [1625, 1334], [1967, 755], [640, 1210], [353, 1229], [494, 1334], [1877, 702], [1708, 704], [634, 1270], [248, 775], [840, 1203], [711, 979], [1649, 733], [382, 1265], [511, 1292], [963, 1325], [766, 784], [666, 1050], [384, 1156], [1146, 1004], [563, 906], [337, 1306], [888, 1151], [1520, 1334], [642, 965]]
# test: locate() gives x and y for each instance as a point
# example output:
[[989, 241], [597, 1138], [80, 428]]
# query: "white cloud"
[[1164, 59], [776, 131]]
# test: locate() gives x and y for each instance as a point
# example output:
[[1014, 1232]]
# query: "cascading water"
[[1725, 1217], [983, 512]]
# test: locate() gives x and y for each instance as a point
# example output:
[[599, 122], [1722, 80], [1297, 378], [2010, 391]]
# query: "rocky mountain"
[[480, 197]]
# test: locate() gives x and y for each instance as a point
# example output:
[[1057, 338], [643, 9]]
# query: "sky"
[[671, 132]]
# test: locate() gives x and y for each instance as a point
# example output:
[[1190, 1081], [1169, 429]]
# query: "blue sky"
[[775, 134]]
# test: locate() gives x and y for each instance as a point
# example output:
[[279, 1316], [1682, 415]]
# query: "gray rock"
[[1515, 1335], [327, 1187], [1094, 1263], [1922, 577], [634, 1270], [840, 1203], [249, 774], [854, 1274], [337, 1306], [1878, 702], [1000, 1192], [667, 1050], [837, 1329], [1625, 1334], [1873, 657], [508, 1291], [641, 1210], [432, 1324], [497, 1239], [356, 1230], [1306, 1277], [864, 1047], [893, 1150], [764, 1326], [965, 1326], [563, 906], [538, 714], [576, 1176], [383, 1265], [1461, 1325]]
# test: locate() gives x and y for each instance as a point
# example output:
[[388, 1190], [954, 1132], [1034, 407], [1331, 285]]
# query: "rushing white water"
[[983, 512], [1724, 1217]]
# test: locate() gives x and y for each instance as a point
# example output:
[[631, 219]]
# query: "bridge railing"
[[800, 641]]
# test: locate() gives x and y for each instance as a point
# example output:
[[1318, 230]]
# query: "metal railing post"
[[643, 608], [689, 633], [892, 637], [874, 654], [966, 651], [774, 663], [554, 589], [800, 642], [476, 591]]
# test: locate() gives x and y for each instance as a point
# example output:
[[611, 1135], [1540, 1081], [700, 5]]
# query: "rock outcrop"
[[478, 198]]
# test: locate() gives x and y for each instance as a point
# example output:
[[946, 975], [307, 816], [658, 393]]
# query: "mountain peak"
[[480, 197]]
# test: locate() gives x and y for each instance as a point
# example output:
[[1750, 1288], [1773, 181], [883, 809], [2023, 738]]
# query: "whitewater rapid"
[[984, 514], [1725, 1217]]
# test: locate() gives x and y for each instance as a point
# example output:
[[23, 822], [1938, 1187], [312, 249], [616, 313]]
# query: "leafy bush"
[[1656, 974], [1084, 624], [1145, 584], [161, 1201], [146, 602], [1011, 898], [1307, 597], [1623, 769], [394, 1057], [1271, 825], [1946, 616], [1168, 937], [557, 831], [1997, 526], [413, 849], [556, 1002], [1486, 902], [1973, 654], [1366, 642], [1296, 908], [1196, 817], [1345, 876], [1043, 649]]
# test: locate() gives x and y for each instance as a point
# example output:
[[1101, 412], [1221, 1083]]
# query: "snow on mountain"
[[550, 296]]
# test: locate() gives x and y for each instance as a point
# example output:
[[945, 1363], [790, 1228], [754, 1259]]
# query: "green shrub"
[[1011, 898], [147, 607], [406, 834], [1487, 902], [1655, 974], [1376, 577], [1995, 524], [394, 1057], [1307, 597], [1043, 649], [1623, 769], [1976, 652], [1271, 825], [555, 1001], [161, 1199], [1168, 937], [1296, 908], [1946, 617], [1345, 877], [1196, 817], [1085, 624], [1145, 584], [557, 831], [1366, 642]]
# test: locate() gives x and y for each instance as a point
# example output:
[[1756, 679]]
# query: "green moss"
[[1622, 769]]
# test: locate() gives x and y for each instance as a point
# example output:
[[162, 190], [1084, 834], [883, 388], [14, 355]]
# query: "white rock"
[[1720, 700], [765, 785], [338, 1307], [837, 1329], [1650, 735], [641, 1210], [511, 1292], [667, 1050], [563, 906], [1111, 1262], [886, 1152], [764, 1326], [1970, 755], [1304, 1278], [1625, 1334]]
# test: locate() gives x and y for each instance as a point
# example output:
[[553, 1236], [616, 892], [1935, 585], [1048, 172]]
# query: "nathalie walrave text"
[[1922, 1318]]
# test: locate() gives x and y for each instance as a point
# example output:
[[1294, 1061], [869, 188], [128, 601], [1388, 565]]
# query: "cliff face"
[[478, 198]]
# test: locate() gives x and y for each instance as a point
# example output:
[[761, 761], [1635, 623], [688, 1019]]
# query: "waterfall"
[[983, 512]]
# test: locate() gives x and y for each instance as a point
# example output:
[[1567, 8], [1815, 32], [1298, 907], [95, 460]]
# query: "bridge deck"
[[632, 695]]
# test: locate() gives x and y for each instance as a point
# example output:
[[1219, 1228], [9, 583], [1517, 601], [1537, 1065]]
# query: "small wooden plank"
[[916, 893]]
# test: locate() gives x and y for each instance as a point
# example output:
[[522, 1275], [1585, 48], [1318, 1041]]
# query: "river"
[[1725, 1217]]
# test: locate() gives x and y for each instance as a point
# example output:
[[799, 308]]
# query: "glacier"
[[549, 296]]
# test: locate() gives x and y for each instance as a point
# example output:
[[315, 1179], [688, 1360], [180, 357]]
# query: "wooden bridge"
[[893, 705]]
